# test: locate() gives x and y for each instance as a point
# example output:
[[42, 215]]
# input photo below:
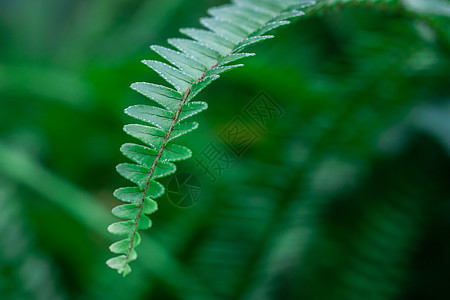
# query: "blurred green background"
[[344, 195]]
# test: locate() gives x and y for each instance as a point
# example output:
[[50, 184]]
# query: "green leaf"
[[182, 128], [186, 64], [271, 26], [233, 57], [192, 108], [235, 16], [137, 153], [167, 98], [174, 152], [220, 69], [260, 7], [180, 81], [120, 263], [129, 194], [210, 39], [130, 211], [274, 6], [151, 136], [138, 174], [134, 173], [223, 28], [121, 228], [201, 53], [121, 247], [117, 262], [292, 14], [126, 211], [150, 206], [156, 116], [144, 156], [253, 40], [249, 13], [134, 194], [144, 222]]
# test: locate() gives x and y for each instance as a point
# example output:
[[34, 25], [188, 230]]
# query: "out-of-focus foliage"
[[344, 195]]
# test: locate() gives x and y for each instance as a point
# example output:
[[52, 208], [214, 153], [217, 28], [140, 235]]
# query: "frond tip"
[[196, 63]]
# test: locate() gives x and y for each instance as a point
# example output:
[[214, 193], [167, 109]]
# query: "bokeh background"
[[343, 194]]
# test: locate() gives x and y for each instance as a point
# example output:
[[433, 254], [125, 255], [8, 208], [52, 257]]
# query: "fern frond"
[[198, 61]]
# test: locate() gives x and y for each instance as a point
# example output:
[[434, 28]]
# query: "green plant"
[[347, 189], [198, 63]]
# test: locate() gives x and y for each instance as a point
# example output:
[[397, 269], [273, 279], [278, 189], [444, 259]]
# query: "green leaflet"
[[134, 194], [233, 57], [186, 64], [197, 61], [154, 137], [225, 29], [220, 69], [210, 39], [200, 52], [236, 16], [167, 98], [252, 40], [180, 80], [161, 118]]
